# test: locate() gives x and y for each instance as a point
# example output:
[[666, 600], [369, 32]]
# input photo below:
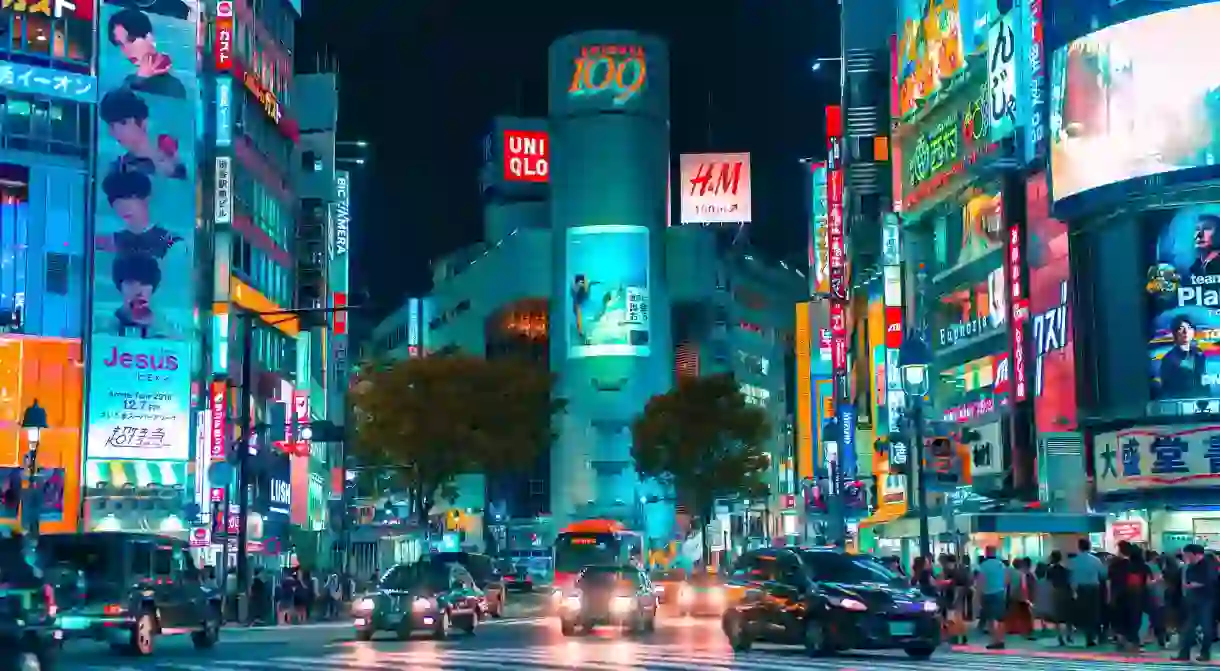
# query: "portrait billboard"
[[1136, 99], [715, 188], [144, 412], [1050, 276], [608, 291], [143, 301], [1183, 285]]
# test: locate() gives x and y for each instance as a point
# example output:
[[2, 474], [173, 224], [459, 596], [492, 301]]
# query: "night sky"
[[421, 79]]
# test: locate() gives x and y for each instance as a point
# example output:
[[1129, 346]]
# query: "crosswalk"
[[634, 656]]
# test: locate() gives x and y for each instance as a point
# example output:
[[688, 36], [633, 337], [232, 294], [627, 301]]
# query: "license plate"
[[902, 629]]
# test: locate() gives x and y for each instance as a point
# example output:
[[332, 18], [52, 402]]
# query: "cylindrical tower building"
[[610, 343]]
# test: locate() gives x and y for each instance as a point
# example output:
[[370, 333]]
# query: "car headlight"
[[572, 602], [421, 604], [848, 603], [364, 605], [930, 607], [557, 596], [622, 604]]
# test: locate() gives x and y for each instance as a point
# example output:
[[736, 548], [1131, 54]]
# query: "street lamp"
[[914, 358], [819, 62], [33, 421]]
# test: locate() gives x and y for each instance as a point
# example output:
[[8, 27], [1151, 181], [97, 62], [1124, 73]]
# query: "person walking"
[[1087, 575], [992, 589], [1129, 577], [1198, 601]]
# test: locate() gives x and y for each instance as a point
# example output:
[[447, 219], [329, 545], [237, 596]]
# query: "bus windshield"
[[574, 551]]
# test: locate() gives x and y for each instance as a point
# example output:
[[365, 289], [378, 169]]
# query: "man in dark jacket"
[[1198, 599]]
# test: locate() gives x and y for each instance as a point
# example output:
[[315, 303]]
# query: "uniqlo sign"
[[1020, 312], [219, 406], [838, 337], [527, 156], [893, 328], [222, 47]]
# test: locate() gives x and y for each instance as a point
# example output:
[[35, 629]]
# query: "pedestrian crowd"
[[1131, 599], [295, 596]]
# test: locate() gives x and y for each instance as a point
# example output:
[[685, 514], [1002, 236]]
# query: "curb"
[[1082, 655]]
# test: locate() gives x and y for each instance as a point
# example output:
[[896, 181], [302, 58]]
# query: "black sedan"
[[427, 597], [620, 596], [828, 601]]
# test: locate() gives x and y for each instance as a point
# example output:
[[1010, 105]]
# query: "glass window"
[[17, 33], [62, 120], [141, 559], [17, 117], [163, 561], [832, 566], [80, 39], [38, 34]]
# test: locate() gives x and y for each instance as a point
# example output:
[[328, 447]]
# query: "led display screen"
[[608, 291], [1136, 99], [1183, 285], [1050, 321], [143, 305]]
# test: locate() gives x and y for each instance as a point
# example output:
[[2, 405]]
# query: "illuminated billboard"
[[819, 244], [1136, 99], [1183, 284], [143, 301], [1050, 276], [715, 188], [935, 40], [621, 72], [526, 156], [145, 410], [608, 291]]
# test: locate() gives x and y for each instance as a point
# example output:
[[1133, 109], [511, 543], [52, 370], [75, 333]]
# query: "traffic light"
[[945, 464]]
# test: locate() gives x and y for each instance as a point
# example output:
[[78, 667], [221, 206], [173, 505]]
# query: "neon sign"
[[223, 46], [621, 70], [270, 104], [81, 9], [945, 147]]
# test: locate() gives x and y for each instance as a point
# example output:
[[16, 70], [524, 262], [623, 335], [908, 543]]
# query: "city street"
[[679, 644]]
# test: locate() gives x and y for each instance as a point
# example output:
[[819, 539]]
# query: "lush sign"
[[946, 143]]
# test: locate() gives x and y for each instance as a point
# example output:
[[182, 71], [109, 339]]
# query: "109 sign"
[[619, 71]]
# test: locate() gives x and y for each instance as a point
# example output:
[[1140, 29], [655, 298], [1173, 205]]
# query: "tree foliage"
[[703, 440], [433, 418]]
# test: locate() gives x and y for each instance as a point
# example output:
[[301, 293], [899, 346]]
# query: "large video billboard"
[[1183, 284], [608, 291], [1050, 276], [715, 188], [143, 307], [1136, 99]]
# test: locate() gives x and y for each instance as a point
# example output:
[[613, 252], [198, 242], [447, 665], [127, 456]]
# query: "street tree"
[[430, 419], [704, 441]]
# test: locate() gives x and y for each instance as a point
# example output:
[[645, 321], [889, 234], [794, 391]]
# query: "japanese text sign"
[[224, 112], [145, 413], [1020, 311], [48, 82], [1002, 76], [1034, 100], [835, 239], [218, 405], [81, 9], [942, 146], [223, 194], [838, 337], [222, 47], [1149, 457]]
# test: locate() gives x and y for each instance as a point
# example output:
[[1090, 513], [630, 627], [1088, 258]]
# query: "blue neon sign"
[[48, 82], [224, 111]]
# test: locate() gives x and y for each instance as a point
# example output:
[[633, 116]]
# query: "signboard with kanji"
[[1147, 457]]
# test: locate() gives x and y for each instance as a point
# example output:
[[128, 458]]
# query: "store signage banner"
[[222, 46], [223, 194], [139, 399], [987, 453], [1152, 457], [944, 145], [715, 188], [48, 82], [819, 244], [1002, 60], [891, 241], [1020, 311], [1183, 284], [218, 407], [224, 112], [836, 241], [608, 291], [526, 156], [838, 337], [1032, 105], [1053, 374]]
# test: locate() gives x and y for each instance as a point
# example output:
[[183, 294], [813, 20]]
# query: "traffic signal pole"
[[921, 483], [243, 465]]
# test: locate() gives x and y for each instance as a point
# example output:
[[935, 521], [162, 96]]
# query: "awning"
[[883, 515], [134, 474]]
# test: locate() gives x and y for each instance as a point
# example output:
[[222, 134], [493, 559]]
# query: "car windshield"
[[91, 556], [420, 576], [836, 567]]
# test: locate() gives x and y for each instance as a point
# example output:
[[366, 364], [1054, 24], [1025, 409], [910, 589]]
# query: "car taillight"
[[112, 609], [48, 595]]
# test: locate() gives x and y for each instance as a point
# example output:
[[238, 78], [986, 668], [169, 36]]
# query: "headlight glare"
[[421, 604], [622, 604], [365, 605], [848, 603], [930, 607]]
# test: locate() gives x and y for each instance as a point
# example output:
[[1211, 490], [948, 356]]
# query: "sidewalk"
[[1048, 647]]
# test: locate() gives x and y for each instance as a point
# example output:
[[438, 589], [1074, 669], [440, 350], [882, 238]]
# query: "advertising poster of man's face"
[[1183, 284], [146, 195]]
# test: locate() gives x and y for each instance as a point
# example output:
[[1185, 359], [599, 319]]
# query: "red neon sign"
[[838, 337], [1020, 312], [223, 45], [619, 69], [834, 203], [339, 300], [81, 9], [526, 156]]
